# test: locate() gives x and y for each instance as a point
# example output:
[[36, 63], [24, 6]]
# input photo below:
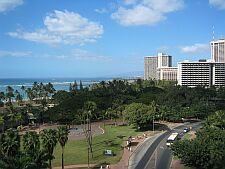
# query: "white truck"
[[171, 139]]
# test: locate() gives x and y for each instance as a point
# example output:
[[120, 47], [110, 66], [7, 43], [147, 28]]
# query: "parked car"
[[186, 130]]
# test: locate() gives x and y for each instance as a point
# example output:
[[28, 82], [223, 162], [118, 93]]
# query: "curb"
[[142, 143]]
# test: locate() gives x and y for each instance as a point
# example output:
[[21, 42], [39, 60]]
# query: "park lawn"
[[187, 136], [76, 150]]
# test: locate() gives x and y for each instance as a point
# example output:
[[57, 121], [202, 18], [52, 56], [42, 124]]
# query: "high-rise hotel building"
[[204, 72], [150, 67], [201, 73], [218, 50], [159, 67]]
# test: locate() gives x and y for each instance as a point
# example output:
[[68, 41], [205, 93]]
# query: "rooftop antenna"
[[213, 33]]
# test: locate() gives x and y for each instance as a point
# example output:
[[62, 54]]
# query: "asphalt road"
[[158, 155]]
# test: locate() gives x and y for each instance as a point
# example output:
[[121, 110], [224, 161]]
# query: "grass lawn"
[[76, 150], [187, 136]]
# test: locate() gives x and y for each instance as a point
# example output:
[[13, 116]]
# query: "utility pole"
[[153, 129], [88, 136]]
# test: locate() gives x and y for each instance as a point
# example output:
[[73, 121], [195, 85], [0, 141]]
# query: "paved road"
[[163, 156], [155, 154], [141, 152]]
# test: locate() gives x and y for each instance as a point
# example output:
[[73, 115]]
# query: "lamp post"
[[153, 129]]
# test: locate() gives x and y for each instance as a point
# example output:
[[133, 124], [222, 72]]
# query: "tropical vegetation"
[[137, 103]]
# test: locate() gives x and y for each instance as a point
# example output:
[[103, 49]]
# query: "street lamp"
[[153, 129]]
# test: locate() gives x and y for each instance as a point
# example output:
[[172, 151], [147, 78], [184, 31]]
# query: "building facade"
[[150, 67], [202, 73], [167, 73], [164, 60], [153, 63], [218, 50]]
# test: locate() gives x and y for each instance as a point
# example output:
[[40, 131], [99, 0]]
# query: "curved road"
[[157, 155]]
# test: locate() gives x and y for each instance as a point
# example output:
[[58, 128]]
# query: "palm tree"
[[81, 86], [74, 86], [35, 89], [19, 118], [23, 88], [49, 89], [37, 159], [19, 97], [2, 98], [62, 139], [89, 108], [10, 143], [9, 93], [2, 121], [11, 116], [31, 142], [30, 94], [49, 141]]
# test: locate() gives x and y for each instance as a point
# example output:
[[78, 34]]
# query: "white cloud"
[[101, 11], [63, 27], [146, 12], [6, 5], [220, 4], [39, 36], [4, 53], [196, 48]]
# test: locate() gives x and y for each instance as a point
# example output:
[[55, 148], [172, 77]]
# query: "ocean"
[[58, 83]]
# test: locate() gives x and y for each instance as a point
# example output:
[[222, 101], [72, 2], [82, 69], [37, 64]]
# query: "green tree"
[[19, 97], [19, 117], [31, 142], [217, 119], [30, 94], [2, 121], [139, 114], [81, 86], [74, 86], [10, 143], [35, 89], [62, 139], [90, 107], [36, 158], [23, 88], [49, 141], [2, 98], [9, 94], [49, 88], [206, 151]]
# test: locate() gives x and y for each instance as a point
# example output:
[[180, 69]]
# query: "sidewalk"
[[75, 166]]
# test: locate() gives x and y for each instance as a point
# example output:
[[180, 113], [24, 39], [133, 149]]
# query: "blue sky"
[[100, 38]]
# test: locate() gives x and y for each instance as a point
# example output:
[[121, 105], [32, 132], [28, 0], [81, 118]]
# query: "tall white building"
[[152, 64], [202, 73], [150, 67], [164, 60], [218, 50]]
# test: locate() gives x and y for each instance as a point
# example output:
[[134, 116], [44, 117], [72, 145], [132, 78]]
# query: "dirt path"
[[176, 164]]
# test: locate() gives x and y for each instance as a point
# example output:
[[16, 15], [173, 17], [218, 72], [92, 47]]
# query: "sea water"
[[58, 83]]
